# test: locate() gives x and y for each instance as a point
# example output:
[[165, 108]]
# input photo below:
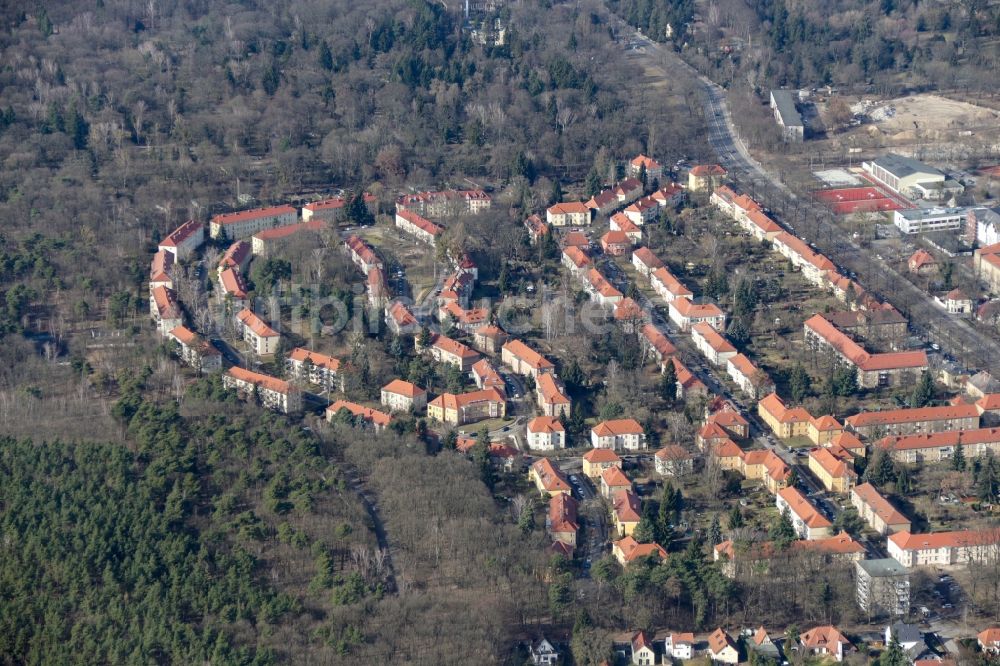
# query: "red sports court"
[[846, 200]]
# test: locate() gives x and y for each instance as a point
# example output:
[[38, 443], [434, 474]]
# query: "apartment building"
[[872, 425], [945, 549], [568, 214], [318, 369], [873, 369], [196, 351], [418, 226], [524, 360], [272, 392], [246, 223], [807, 520], [184, 240], [403, 396], [469, 407], [877, 511], [711, 344], [546, 433], [618, 435], [939, 446], [551, 396], [359, 413], [262, 339], [785, 422]]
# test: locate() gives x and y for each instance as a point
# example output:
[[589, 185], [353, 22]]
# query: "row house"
[[402, 396], [711, 344], [273, 393], [731, 421], [734, 205], [873, 369], [759, 225], [536, 227], [551, 396], [445, 350], [986, 262], [246, 223], [548, 479], [644, 164], [264, 242], [184, 240], [939, 446], [469, 407], [524, 360], [873, 425], [362, 254], [808, 522], [618, 435], [884, 325], [446, 203], [418, 226], [237, 257], [656, 344], [601, 291], [161, 270], [753, 381], [762, 465], [595, 461], [645, 261], [945, 549], [486, 376], [234, 288], [359, 413], [705, 177], [561, 522], [643, 211], [667, 286], [615, 243], [629, 316], [575, 259], [686, 314], [814, 266], [620, 223], [490, 338], [877, 511], [165, 310], [626, 512], [333, 208], [673, 460], [834, 467], [256, 332], [568, 214], [318, 369], [546, 433], [399, 319], [783, 421], [195, 350]]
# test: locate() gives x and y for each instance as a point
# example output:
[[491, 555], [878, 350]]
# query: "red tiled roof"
[[691, 310], [562, 513], [913, 415], [181, 234], [879, 505], [404, 388], [243, 215], [803, 508], [455, 402], [577, 256], [289, 230], [300, 354], [256, 324], [374, 416], [627, 309], [420, 222], [673, 452], [646, 256], [711, 336], [614, 477], [922, 258], [601, 285], [548, 424], [159, 269], [568, 207], [776, 407], [601, 456], [658, 340], [552, 393], [672, 284], [907, 541], [823, 637], [858, 356], [552, 478], [232, 283], [702, 170], [236, 255], [617, 427], [642, 160], [454, 347], [401, 314], [633, 550], [264, 381], [719, 640], [941, 439], [528, 355]]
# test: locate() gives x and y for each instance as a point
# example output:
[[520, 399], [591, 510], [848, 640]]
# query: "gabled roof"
[[301, 354], [922, 258], [642, 160], [575, 239], [908, 541], [627, 309], [989, 636], [858, 356], [836, 467], [774, 406], [690, 310], [568, 207], [626, 505], [244, 215], [454, 347], [719, 640], [181, 234], [601, 285], [552, 391], [159, 269], [803, 508], [658, 340], [256, 324], [646, 256], [823, 637], [528, 355], [670, 283], [576, 255], [914, 415], [948, 438], [455, 402], [232, 283], [552, 478], [264, 381], [672, 452], [879, 505], [236, 255], [562, 513], [713, 338], [401, 314], [419, 221], [289, 230]]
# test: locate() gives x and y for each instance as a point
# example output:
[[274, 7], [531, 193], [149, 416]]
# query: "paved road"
[[816, 223]]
